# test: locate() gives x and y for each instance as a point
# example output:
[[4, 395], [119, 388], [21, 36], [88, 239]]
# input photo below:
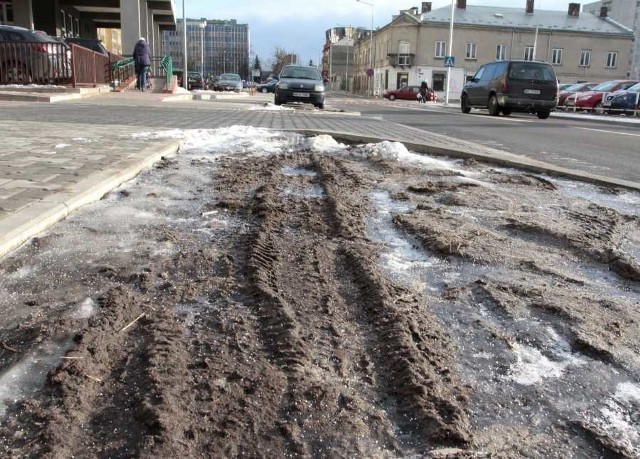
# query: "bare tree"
[[280, 59]]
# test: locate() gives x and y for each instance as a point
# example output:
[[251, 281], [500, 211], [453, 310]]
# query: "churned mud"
[[269, 295]]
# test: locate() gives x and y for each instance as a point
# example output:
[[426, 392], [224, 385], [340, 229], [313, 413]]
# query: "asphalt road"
[[597, 147]]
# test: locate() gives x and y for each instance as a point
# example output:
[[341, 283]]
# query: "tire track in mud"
[[415, 384]]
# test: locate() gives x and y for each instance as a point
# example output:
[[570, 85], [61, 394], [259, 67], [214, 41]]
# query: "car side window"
[[500, 69], [488, 72], [478, 75]]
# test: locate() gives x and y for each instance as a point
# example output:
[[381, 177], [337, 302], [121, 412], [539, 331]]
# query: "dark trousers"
[[142, 77]]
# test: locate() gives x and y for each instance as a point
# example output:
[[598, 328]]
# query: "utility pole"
[[185, 74]]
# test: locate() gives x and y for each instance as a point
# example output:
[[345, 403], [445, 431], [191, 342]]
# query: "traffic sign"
[[449, 61]]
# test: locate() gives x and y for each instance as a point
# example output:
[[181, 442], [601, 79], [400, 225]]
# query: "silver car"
[[228, 82]]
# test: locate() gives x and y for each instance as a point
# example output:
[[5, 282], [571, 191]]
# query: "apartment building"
[[414, 46], [627, 13]]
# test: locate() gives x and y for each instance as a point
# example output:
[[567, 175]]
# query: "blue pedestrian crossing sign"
[[449, 61]]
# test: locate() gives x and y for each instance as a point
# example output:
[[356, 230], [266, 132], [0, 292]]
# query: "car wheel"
[[464, 104], [17, 74], [320, 106], [392, 97], [597, 108], [506, 111], [543, 114], [277, 101], [265, 90], [494, 108]]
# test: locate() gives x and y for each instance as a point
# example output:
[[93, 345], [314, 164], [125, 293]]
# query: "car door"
[[472, 88]]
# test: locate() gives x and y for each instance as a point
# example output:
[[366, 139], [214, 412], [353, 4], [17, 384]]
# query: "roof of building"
[[494, 16]]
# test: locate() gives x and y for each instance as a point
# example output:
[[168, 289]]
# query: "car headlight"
[[283, 85], [318, 88]]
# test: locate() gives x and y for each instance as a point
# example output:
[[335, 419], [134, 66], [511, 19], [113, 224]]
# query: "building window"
[[403, 53], [6, 13], [440, 49], [556, 56], [612, 59], [501, 52], [528, 53], [471, 51], [585, 58]]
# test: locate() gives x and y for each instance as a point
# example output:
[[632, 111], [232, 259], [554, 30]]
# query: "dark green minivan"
[[512, 86]]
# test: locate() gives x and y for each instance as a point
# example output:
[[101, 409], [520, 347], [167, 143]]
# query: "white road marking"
[[611, 132]]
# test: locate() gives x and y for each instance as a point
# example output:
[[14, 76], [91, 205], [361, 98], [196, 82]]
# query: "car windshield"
[[304, 73], [230, 77], [606, 86], [531, 71], [634, 88], [575, 87]]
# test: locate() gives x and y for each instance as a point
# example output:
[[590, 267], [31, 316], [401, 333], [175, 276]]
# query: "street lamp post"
[[370, 46], [446, 99], [185, 74], [203, 24]]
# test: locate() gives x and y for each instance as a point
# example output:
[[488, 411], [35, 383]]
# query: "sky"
[[298, 26]]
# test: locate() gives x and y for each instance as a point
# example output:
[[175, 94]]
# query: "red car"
[[406, 93], [592, 100], [571, 90]]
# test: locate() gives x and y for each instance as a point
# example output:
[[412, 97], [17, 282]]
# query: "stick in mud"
[[133, 322]]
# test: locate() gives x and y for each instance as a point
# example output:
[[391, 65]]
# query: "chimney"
[[604, 11], [574, 9], [462, 4], [426, 7], [529, 6]]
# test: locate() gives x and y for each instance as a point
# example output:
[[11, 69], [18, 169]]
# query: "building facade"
[[223, 45], [627, 13], [83, 18], [338, 56], [413, 47]]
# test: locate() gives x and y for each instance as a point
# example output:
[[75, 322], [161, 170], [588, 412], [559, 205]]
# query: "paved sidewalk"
[[59, 156]]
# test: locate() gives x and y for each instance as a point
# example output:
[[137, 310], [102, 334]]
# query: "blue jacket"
[[142, 53]]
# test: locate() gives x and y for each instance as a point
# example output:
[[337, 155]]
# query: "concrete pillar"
[[23, 13], [130, 17]]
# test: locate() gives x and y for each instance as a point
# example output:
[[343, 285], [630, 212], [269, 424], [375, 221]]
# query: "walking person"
[[142, 61], [424, 89]]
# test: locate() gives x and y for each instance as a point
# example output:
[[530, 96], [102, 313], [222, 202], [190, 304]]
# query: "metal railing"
[[35, 63], [44, 63], [89, 67]]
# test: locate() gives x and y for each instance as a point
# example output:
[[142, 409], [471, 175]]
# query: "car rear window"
[[230, 77], [531, 71]]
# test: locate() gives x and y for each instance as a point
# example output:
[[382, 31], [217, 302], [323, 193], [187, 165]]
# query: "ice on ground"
[[325, 144], [270, 107], [85, 310], [30, 373], [62, 145], [396, 151]]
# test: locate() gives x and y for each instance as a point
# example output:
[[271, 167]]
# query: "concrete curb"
[[468, 150], [37, 217]]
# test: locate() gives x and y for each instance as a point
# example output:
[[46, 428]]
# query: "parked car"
[[228, 82], [91, 43], [572, 90], [195, 81], [269, 86], [626, 101], [508, 86], [31, 56], [592, 99], [406, 93], [563, 86], [299, 83]]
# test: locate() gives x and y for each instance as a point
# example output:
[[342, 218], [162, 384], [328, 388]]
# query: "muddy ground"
[[295, 297]]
